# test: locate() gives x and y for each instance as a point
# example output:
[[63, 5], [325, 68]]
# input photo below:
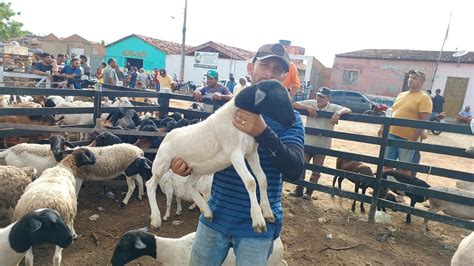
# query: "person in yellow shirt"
[[165, 80], [413, 104], [292, 80]]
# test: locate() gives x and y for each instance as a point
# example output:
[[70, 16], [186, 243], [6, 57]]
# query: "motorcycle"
[[377, 109], [439, 118], [186, 88]]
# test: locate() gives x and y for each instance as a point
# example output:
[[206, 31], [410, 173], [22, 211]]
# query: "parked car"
[[358, 102]]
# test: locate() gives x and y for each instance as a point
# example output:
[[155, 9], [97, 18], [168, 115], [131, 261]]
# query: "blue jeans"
[[394, 153], [211, 247], [157, 86]]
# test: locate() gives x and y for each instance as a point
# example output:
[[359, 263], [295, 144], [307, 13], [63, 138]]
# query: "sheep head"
[[132, 245], [40, 226], [270, 98]]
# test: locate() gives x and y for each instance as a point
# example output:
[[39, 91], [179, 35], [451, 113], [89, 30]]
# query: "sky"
[[323, 28]]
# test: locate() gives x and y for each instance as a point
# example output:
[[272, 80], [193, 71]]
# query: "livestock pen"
[[166, 105]]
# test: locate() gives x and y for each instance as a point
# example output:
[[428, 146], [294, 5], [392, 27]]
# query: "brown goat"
[[356, 167]]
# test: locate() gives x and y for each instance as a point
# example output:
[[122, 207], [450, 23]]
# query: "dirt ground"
[[307, 240]]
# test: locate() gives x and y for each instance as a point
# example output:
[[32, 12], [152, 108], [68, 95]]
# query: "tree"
[[8, 27], [102, 42]]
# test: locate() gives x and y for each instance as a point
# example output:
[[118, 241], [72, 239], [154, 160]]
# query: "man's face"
[[47, 60], [83, 61], [76, 63], [60, 59], [211, 82], [162, 73], [322, 100], [414, 82], [270, 68], [113, 64]]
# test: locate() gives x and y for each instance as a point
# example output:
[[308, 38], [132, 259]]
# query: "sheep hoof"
[[165, 218], [208, 215], [362, 210], [122, 205], [140, 197], [155, 223], [260, 228], [178, 213]]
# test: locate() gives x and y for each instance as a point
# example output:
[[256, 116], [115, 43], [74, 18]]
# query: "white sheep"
[[113, 161], [34, 228], [55, 189], [450, 208], [465, 253], [173, 184], [39, 156], [215, 144], [173, 251], [13, 181]]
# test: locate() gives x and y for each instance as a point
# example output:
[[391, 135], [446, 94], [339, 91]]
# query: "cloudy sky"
[[324, 28]]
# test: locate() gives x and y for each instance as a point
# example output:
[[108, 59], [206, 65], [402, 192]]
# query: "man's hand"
[[197, 96], [217, 96], [335, 118], [312, 111], [179, 167], [249, 123]]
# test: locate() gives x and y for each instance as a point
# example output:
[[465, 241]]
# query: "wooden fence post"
[[378, 183], [97, 105]]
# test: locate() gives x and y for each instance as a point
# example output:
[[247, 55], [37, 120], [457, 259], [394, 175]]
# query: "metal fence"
[[8, 130]]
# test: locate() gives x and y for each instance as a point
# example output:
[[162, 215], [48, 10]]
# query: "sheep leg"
[[334, 184], [190, 186], [258, 222], [356, 190], [131, 188], [192, 206], [151, 192], [73, 232], [179, 208], [29, 258], [139, 180], [57, 256], [412, 204], [254, 163], [362, 209], [78, 186], [169, 200]]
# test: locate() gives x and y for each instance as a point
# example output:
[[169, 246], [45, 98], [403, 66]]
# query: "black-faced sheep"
[[34, 228], [172, 251]]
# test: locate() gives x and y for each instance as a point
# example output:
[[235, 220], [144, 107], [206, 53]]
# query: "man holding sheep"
[[281, 154]]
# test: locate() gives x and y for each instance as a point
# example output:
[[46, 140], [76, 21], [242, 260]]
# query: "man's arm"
[[287, 158], [419, 131], [310, 109]]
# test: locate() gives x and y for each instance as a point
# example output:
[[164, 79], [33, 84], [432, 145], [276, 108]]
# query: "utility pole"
[[183, 43], [441, 52]]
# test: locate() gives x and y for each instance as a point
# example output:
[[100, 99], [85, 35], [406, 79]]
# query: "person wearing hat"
[[413, 104], [281, 154], [213, 90], [321, 103], [165, 80]]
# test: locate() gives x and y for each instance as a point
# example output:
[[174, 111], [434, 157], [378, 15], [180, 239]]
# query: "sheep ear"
[[35, 225], [139, 244], [259, 96]]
